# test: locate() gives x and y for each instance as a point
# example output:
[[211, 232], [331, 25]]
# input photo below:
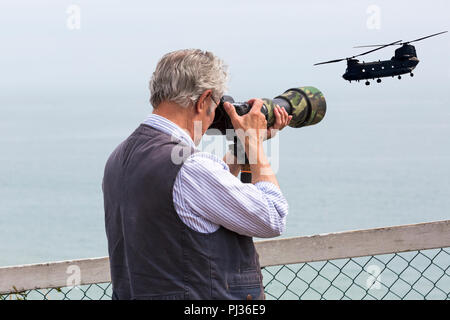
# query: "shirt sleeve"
[[210, 191]]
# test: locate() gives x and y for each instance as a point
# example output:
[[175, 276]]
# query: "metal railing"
[[402, 262]]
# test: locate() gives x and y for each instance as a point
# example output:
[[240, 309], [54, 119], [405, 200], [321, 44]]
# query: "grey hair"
[[182, 76]]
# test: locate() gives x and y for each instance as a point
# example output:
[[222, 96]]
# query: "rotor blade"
[[380, 45], [427, 37], [376, 45], [384, 46], [332, 61]]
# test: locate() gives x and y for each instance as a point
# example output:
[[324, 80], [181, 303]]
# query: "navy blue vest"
[[153, 254]]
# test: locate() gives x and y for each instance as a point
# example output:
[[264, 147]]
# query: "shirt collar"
[[165, 125]]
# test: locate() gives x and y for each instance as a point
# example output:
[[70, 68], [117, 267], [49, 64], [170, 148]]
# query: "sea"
[[364, 166]]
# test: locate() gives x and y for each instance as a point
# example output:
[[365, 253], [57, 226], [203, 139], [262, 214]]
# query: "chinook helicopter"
[[404, 61]]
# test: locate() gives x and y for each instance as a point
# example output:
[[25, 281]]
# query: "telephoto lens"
[[307, 106]]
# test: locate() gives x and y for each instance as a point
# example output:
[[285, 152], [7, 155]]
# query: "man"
[[183, 229]]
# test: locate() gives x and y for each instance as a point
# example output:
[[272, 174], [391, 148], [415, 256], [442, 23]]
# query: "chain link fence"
[[414, 275], [423, 274]]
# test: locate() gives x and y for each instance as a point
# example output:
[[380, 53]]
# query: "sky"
[[267, 45]]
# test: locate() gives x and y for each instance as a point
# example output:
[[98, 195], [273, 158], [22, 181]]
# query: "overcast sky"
[[268, 45]]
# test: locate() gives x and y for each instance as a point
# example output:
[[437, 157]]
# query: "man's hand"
[[251, 129], [282, 119]]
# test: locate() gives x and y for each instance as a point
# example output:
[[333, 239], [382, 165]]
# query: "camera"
[[307, 106]]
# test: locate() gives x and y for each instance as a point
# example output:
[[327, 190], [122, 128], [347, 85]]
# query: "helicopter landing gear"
[[411, 74], [399, 77], [378, 80], [367, 83]]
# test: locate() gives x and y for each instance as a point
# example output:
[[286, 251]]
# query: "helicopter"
[[404, 61]]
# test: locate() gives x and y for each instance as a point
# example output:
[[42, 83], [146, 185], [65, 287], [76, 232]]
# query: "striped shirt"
[[206, 195]]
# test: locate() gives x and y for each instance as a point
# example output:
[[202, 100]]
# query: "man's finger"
[[285, 114], [256, 104], [230, 110], [278, 118]]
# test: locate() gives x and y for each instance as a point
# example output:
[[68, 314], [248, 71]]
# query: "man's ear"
[[202, 101]]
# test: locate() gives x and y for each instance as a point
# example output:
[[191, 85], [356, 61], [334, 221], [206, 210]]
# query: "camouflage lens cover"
[[307, 106]]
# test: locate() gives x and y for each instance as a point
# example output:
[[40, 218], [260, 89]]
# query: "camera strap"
[[238, 149]]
